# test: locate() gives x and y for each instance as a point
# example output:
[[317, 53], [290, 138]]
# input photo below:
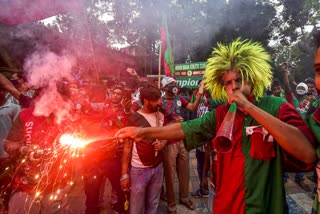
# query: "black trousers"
[[94, 179]]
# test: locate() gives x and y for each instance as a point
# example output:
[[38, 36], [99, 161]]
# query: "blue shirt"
[[8, 114]]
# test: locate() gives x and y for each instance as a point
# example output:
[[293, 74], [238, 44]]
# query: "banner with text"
[[188, 82]]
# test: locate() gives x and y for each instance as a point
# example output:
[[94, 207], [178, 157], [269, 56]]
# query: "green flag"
[[167, 59]]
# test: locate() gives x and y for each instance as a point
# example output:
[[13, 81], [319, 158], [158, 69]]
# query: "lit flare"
[[72, 141]]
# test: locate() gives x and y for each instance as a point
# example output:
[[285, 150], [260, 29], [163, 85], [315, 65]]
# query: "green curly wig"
[[248, 58]]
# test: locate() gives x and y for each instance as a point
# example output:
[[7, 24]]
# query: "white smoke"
[[44, 69]]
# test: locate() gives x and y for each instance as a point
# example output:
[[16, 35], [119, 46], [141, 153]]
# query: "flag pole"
[[159, 86], [159, 66]]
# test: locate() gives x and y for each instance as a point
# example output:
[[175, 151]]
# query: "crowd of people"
[[140, 136]]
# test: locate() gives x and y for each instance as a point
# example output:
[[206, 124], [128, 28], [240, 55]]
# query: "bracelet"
[[123, 177], [21, 149]]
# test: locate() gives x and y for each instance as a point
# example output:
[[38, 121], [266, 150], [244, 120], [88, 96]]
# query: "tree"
[[292, 37], [195, 27]]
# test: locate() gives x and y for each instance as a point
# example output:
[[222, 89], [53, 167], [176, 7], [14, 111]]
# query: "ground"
[[299, 200]]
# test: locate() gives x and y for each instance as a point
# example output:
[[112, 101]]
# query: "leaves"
[[195, 26]]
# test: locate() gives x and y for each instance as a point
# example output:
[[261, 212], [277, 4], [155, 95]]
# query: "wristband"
[[21, 149], [123, 177]]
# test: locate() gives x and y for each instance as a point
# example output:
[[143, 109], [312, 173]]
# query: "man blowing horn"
[[268, 132]]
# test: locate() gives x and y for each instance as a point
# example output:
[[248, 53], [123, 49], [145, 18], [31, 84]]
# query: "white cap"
[[302, 88], [167, 80]]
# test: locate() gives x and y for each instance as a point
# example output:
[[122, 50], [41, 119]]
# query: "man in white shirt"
[[146, 173]]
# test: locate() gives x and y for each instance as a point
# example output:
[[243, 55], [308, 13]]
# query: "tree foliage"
[[195, 26], [293, 36]]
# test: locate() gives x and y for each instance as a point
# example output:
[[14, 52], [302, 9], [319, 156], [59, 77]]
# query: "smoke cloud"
[[45, 71]]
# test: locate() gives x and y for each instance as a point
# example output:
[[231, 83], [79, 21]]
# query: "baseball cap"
[[302, 88], [167, 80]]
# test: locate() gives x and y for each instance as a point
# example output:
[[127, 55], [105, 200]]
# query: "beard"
[[153, 108]]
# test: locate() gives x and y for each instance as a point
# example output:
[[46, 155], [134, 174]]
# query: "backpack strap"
[[138, 120]]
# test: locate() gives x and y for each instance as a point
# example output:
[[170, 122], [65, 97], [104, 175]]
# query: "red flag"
[[167, 59], [14, 12]]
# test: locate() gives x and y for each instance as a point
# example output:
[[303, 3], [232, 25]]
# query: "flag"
[[167, 60], [15, 12]]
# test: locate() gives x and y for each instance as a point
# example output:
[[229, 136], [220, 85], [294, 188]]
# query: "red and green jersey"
[[314, 122], [249, 179]]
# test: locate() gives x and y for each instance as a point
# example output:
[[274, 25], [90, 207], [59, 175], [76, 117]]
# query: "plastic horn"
[[224, 137]]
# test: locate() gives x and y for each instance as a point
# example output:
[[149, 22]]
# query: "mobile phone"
[[127, 94]]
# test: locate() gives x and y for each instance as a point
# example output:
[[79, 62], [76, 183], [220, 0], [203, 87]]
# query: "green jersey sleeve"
[[199, 131]]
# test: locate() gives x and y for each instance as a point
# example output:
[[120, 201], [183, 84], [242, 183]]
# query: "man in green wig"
[[268, 133]]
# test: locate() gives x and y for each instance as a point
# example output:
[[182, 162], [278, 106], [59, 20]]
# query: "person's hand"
[[129, 132], [178, 119], [158, 145], [201, 88], [33, 154], [24, 150], [310, 98], [241, 100], [132, 72], [125, 184], [291, 66], [284, 66], [126, 103]]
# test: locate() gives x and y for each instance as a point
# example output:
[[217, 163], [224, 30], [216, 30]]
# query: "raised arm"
[[289, 137], [193, 106], [4, 82], [133, 73], [287, 89], [291, 76]]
